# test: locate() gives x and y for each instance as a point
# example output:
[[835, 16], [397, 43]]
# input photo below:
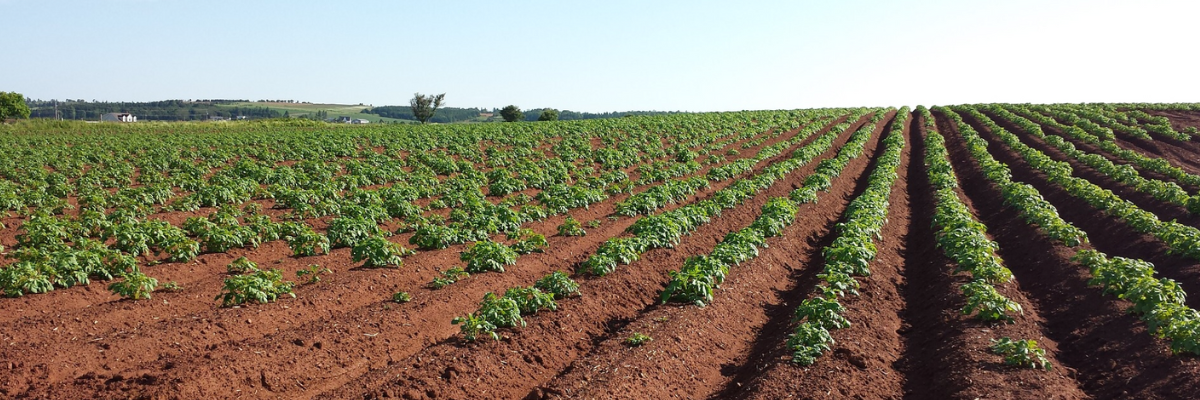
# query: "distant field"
[[334, 110]]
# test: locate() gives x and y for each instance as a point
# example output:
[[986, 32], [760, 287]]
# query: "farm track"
[[698, 351], [513, 368], [1110, 351], [351, 335]]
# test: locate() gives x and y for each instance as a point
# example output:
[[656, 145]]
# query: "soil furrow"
[[1105, 233], [697, 351], [202, 277], [1110, 351], [1010, 232], [535, 354], [120, 344], [1164, 210], [377, 334]]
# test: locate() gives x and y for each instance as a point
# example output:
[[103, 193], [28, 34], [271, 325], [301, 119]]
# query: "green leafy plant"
[[528, 241], [503, 312], [531, 300], [401, 297], [378, 252], [22, 278], [558, 284], [473, 325], [695, 281], [571, 227], [823, 311], [449, 276], [241, 265], [991, 305], [304, 241], [171, 286], [488, 256], [1021, 353], [808, 342], [260, 287], [135, 286], [637, 339], [349, 231], [312, 274]]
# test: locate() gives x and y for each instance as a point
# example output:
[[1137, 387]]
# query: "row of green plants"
[[828, 169], [1156, 124], [1180, 239], [1154, 164], [700, 275], [962, 238], [1159, 302], [1134, 120], [664, 230], [1033, 208], [507, 310], [1094, 117], [359, 212], [478, 220], [1164, 191], [661, 196], [850, 254]]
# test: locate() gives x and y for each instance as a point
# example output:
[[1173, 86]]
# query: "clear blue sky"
[[605, 55]]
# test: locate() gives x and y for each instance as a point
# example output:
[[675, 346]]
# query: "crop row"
[[1033, 208], [964, 239], [850, 254], [674, 191], [1164, 191], [695, 281], [1180, 239], [1160, 302], [664, 230], [1154, 164], [59, 251]]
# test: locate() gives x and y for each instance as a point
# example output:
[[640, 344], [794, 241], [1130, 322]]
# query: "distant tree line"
[[193, 110], [166, 110], [443, 115], [454, 114], [567, 115]]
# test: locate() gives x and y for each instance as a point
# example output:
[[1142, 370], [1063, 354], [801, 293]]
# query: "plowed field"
[[701, 179]]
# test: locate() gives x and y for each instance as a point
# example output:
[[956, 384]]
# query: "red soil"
[[1110, 351], [341, 338]]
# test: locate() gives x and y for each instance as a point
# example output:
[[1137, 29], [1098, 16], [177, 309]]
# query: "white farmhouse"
[[118, 117]]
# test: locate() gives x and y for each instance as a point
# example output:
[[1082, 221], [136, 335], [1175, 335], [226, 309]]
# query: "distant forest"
[[166, 110], [452, 114]]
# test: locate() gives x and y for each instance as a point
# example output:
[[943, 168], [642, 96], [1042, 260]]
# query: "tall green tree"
[[548, 114], [12, 105], [424, 106], [512, 113]]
